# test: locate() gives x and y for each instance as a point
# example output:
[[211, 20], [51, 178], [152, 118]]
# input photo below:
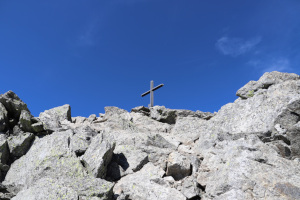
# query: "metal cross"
[[151, 93]]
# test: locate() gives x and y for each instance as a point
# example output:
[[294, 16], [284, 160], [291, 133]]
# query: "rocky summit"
[[249, 149]]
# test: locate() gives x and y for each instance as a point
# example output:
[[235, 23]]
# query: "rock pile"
[[249, 149]]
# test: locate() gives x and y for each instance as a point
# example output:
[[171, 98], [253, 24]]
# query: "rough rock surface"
[[265, 82], [97, 156], [28, 123], [178, 166], [3, 117], [81, 139], [52, 118], [19, 145], [13, 104], [249, 149], [146, 184]]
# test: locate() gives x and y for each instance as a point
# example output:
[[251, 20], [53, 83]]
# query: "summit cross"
[[151, 93]]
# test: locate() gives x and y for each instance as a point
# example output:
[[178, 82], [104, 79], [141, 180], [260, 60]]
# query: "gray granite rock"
[[82, 139], [147, 184], [4, 150], [50, 163], [4, 156], [97, 156], [141, 109], [127, 159], [19, 144], [179, 166], [189, 188], [52, 118], [13, 104], [30, 124], [267, 80], [249, 169], [3, 118], [256, 114], [162, 114]]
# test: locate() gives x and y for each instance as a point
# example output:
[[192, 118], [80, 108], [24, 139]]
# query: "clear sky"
[[96, 53]]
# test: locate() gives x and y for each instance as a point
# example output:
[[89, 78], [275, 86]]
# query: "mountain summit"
[[249, 149]]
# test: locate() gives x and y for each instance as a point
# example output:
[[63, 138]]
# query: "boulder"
[[162, 114], [116, 119], [51, 188], [179, 166], [119, 120], [127, 159], [289, 115], [189, 188], [249, 169], [145, 124], [19, 145], [4, 150], [81, 139], [146, 184], [52, 118], [130, 159], [158, 140], [141, 109], [4, 194], [30, 124], [188, 129], [3, 118], [4, 156], [78, 120], [47, 189], [158, 148], [115, 112], [268, 79], [50, 163], [25, 121], [199, 114], [13, 104], [256, 114], [293, 136], [27, 169], [16, 131], [92, 118], [169, 116], [97, 156], [37, 127]]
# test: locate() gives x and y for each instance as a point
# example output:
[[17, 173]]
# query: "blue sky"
[[96, 53]]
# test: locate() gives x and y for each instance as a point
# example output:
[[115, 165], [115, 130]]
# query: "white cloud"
[[236, 46], [89, 35], [279, 65], [274, 64]]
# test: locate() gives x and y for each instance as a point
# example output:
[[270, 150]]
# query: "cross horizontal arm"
[[145, 93], [157, 87]]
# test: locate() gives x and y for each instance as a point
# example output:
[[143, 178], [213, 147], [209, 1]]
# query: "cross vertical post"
[[151, 92]]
